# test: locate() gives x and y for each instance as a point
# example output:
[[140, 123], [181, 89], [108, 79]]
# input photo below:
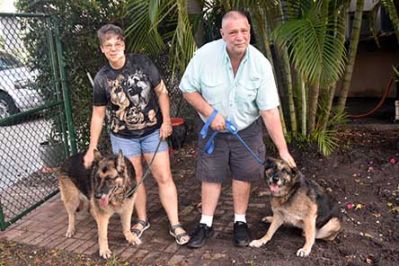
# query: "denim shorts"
[[230, 158], [132, 147]]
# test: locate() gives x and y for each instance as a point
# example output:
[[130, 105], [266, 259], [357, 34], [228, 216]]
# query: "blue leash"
[[210, 144]]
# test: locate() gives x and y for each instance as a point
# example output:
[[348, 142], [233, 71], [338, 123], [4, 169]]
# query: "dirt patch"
[[363, 175]]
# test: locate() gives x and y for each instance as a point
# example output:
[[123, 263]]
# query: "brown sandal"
[[138, 232], [179, 237]]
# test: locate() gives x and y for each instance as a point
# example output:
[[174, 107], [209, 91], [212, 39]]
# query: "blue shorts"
[[136, 146]]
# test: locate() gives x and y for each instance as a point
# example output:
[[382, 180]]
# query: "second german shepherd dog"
[[105, 185], [300, 202]]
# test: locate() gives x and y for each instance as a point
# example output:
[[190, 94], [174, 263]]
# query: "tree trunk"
[[389, 6], [288, 77], [340, 16], [264, 34], [313, 103], [304, 111], [194, 8], [357, 23]]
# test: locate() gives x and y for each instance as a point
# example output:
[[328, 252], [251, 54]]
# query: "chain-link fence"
[[34, 127]]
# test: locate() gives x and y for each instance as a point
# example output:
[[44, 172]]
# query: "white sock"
[[239, 218], [206, 219]]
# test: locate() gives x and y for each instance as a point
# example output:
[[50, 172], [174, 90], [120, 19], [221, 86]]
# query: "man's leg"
[[245, 169], [241, 192], [210, 193]]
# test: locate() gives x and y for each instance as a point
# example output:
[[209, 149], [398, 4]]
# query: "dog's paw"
[[302, 252], [257, 243], [105, 253], [70, 233], [267, 219], [133, 239]]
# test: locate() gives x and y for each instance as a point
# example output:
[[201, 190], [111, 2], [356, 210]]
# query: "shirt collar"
[[226, 55]]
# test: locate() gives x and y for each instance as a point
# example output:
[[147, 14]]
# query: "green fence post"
[[65, 91], [2, 222], [56, 83]]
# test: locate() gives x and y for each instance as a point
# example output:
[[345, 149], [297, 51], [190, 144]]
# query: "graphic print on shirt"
[[131, 94]]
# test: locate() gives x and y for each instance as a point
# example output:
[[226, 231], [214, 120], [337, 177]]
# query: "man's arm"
[[96, 125], [201, 106], [164, 104], [271, 118]]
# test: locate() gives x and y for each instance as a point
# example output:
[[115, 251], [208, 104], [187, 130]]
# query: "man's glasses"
[[117, 45]]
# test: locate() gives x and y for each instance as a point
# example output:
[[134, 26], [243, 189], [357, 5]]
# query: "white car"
[[17, 90]]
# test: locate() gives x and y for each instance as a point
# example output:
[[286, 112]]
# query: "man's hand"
[[218, 124], [165, 130], [286, 156], [88, 159]]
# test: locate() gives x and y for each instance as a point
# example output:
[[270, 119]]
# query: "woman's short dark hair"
[[109, 29]]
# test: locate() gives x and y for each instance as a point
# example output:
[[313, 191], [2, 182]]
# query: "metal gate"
[[36, 131]]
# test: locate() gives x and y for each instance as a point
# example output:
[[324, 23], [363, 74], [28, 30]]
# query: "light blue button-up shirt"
[[238, 98]]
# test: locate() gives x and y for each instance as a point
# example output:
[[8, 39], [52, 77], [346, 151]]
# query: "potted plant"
[[52, 149]]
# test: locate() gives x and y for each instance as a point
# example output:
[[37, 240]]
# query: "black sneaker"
[[198, 237], [241, 234]]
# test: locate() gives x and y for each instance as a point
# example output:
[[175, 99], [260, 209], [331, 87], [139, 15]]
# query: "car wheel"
[[7, 105]]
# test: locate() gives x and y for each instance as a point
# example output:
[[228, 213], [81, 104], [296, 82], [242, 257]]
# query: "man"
[[130, 89], [232, 78]]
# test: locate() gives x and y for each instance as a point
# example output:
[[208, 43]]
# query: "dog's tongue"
[[273, 188], [104, 201]]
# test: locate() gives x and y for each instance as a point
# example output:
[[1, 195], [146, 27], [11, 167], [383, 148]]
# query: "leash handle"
[[210, 144], [204, 129]]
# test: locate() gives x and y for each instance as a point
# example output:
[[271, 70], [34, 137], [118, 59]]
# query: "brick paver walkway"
[[46, 226]]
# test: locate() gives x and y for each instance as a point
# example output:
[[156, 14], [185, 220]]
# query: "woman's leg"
[[160, 169], [141, 199]]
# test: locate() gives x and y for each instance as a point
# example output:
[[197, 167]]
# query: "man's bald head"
[[233, 15]]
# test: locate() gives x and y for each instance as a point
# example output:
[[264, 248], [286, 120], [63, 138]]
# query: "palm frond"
[[327, 140], [183, 43], [311, 36], [140, 33]]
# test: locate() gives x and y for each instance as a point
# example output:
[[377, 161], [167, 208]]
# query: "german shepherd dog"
[[104, 186], [300, 202]]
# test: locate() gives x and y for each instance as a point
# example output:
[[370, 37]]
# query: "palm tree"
[[313, 35], [308, 33], [393, 15], [356, 28]]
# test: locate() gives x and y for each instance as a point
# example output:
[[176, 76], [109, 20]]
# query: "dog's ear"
[[97, 156], [294, 170], [297, 175], [270, 163], [270, 166]]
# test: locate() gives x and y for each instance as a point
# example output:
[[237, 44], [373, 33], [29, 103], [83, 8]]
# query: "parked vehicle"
[[17, 90]]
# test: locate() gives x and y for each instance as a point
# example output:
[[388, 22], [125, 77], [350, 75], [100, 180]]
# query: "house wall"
[[373, 70]]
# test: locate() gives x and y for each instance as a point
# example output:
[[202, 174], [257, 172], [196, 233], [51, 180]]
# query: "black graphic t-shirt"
[[132, 105]]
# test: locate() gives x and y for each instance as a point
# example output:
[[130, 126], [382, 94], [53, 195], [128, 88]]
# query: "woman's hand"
[[165, 130]]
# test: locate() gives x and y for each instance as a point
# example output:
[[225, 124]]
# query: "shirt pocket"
[[248, 90], [212, 90]]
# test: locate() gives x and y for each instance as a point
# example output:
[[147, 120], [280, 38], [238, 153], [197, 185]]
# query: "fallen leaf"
[[395, 209], [368, 235], [393, 160], [359, 206]]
